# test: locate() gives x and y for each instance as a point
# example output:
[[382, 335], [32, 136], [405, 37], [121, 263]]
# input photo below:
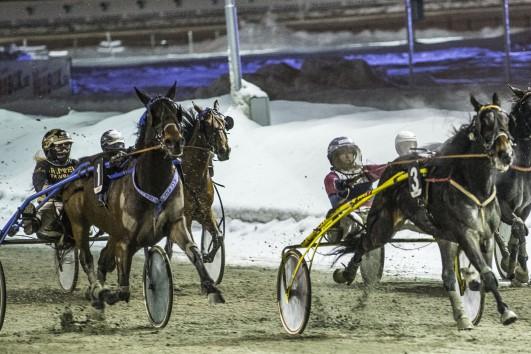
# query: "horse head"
[[520, 126], [490, 129], [161, 123], [214, 126]]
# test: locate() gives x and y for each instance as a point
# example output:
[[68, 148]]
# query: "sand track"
[[397, 316]]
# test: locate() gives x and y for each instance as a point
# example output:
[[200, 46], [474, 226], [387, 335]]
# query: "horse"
[[205, 135], [458, 206], [142, 207], [514, 188]]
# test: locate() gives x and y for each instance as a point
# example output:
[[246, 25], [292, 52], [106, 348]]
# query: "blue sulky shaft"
[[82, 170]]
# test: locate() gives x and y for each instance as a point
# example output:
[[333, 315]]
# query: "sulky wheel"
[[2, 296], [500, 249], [372, 265], [470, 287], [67, 267], [294, 307], [158, 286]]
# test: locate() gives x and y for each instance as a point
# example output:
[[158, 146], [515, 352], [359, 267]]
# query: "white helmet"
[[112, 140], [404, 142], [341, 143]]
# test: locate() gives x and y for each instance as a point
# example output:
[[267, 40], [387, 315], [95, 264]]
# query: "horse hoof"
[[515, 283], [215, 298], [521, 275], [342, 277], [464, 324], [508, 317], [96, 314], [339, 276]]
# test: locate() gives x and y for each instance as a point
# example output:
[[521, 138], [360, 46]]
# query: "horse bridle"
[[216, 116], [160, 132], [497, 130]]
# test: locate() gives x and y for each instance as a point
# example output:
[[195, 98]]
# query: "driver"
[[112, 145], [405, 143], [56, 166], [348, 178]]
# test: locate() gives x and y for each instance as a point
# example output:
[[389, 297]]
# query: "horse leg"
[[448, 253], [380, 230], [123, 257], [518, 252], [479, 256], [180, 235], [106, 263], [210, 224], [81, 237]]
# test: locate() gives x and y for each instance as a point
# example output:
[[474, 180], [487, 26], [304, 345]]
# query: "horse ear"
[[197, 108], [517, 92], [144, 98], [171, 91], [496, 99], [475, 103], [216, 105]]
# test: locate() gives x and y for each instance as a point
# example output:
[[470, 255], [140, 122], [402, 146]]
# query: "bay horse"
[[143, 206], [458, 206], [205, 134], [514, 188]]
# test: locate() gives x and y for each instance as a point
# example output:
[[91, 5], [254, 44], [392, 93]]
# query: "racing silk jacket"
[[47, 173], [338, 193]]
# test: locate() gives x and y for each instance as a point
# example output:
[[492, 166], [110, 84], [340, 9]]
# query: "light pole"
[[235, 71], [410, 40], [507, 38]]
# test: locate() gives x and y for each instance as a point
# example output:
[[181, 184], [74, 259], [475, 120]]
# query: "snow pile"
[[274, 193]]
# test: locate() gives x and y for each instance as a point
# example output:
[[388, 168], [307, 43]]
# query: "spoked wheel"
[[67, 267], [372, 265], [470, 287], [2, 296], [158, 287], [294, 307], [216, 266], [500, 249]]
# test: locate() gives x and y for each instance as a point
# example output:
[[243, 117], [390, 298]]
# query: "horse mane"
[[456, 144], [188, 123]]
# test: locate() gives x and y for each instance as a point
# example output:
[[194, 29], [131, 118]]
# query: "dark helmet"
[[56, 145], [339, 144], [112, 140]]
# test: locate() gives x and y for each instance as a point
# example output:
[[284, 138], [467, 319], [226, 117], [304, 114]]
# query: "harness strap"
[[158, 201], [467, 193], [520, 168]]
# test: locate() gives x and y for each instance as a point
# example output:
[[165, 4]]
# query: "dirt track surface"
[[394, 317]]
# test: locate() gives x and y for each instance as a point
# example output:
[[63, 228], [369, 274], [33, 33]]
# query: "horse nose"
[[506, 158], [224, 154]]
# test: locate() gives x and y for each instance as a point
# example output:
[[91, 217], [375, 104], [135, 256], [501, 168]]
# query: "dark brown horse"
[[514, 188], [143, 207], [458, 206], [206, 136]]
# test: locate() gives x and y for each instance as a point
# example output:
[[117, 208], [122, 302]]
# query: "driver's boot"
[[30, 222]]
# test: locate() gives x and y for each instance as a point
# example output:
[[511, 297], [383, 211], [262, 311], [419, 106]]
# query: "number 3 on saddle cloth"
[[414, 180]]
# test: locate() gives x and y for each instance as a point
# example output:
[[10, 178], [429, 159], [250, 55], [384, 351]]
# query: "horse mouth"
[[173, 150], [223, 155]]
